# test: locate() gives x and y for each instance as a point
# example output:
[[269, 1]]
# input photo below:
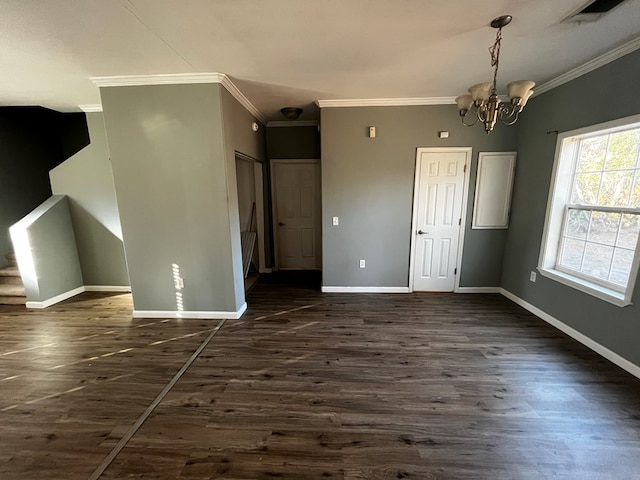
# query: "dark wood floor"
[[310, 385]]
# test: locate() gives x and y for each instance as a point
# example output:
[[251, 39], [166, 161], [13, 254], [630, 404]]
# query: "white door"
[[439, 194], [296, 213]]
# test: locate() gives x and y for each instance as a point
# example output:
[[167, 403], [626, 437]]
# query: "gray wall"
[[87, 180], [238, 137], [369, 183], [175, 195], [48, 260], [602, 95]]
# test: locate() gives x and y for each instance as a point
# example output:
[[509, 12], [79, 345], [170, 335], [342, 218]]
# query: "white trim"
[[613, 357], [585, 286], [463, 213], [385, 102], [365, 289], [180, 79], [190, 314], [107, 288], [477, 290], [239, 96], [295, 123], [265, 270], [91, 108], [589, 66], [161, 79], [57, 299]]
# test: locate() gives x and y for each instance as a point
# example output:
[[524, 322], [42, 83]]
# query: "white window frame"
[[557, 204]]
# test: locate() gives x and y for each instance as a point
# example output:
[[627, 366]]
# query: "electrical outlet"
[[336, 221], [362, 264], [533, 276], [179, 281]]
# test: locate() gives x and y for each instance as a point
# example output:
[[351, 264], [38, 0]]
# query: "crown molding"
[[91, 108], [589, 66], [385, 102], [180, 79], [239, 96], [289, 123], [163, 79]]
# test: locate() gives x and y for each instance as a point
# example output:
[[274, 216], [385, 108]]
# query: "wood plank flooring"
[[311, 385]]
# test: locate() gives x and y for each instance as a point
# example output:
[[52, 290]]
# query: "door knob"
[[420, 232], [281, 224]]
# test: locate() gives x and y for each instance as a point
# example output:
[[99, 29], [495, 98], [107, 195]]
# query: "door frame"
[[258, 176], [465, 199], [274, 208]]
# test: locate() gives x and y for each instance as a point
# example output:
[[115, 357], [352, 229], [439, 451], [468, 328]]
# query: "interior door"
[[296, 189], [438, 219]]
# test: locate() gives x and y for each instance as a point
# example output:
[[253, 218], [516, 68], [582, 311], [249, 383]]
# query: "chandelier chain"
[[495, 58]]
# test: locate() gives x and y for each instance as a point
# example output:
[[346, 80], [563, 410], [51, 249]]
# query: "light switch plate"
[[336, 221]]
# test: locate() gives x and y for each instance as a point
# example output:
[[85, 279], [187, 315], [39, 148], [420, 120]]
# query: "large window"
[[593, 218]]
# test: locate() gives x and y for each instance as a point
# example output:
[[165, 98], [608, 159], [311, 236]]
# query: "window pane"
[[615, 188], [629, 230], [578, 223], [572, 251], [597, 260], [592, 154], [634, 201], [585, 188], [604, 227], [621, 266], [623, 150]]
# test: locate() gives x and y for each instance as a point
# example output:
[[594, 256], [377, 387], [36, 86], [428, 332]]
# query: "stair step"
[[12, 300], [11, 290], [11, 259], [9, 272], [10, 280]]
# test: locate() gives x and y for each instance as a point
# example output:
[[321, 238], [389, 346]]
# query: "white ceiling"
[[293, 52]]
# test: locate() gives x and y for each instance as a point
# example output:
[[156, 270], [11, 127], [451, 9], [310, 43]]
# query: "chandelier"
[[483, 97]]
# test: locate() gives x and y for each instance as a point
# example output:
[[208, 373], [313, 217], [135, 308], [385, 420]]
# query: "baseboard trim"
[[365, 289], [478, 290], [203, 315], [107, 288], [57, 299], [610, 355], [265, 270]]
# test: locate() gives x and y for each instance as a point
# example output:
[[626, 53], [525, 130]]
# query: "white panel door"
[[296, 188], [439, 191]]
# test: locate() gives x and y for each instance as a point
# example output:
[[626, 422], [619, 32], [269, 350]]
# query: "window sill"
[[585, 286]]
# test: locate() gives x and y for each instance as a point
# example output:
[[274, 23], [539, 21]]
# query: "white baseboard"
[[478, 290], [53, 300], [204, 315], [613, 357], [107, 288], [365, 289], [265, 270]]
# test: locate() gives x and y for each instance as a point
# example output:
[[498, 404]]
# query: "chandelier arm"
[[509, 123], [469, 124], [481, 113], [506, 112]]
